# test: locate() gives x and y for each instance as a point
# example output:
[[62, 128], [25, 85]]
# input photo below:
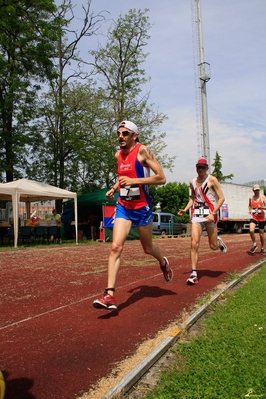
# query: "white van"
[[167, 223]]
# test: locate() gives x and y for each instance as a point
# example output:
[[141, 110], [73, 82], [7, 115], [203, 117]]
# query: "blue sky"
[[234, 37]]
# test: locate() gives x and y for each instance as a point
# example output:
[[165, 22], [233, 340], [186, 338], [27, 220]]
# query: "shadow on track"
[[18, 388], [139, 293], [208, 273]]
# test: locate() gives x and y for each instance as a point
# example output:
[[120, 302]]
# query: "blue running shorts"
[[138, 217]]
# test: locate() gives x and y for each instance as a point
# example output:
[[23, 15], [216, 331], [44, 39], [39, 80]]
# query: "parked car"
[[167, 223]]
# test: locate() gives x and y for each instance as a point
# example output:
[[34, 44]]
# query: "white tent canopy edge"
[[24, 190]]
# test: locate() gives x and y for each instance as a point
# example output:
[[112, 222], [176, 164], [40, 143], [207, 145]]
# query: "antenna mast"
[[202, 76]]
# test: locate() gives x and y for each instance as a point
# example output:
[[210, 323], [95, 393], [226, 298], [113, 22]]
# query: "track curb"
[[138, 371]]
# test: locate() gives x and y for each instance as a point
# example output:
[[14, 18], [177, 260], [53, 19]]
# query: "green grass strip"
[[228, 359]]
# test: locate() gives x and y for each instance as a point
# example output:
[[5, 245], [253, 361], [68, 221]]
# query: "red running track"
[[55, 345]]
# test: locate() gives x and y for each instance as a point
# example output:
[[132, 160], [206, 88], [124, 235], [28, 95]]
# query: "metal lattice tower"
[[202, 76]]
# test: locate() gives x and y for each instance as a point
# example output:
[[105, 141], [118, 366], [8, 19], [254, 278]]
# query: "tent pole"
[[15, 202], [76, 218], [27, 209]]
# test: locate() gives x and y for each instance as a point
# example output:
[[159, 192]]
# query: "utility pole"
[[202, 76]]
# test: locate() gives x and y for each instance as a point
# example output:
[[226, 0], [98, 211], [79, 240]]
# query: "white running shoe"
[[253, 249], [222, 245], [192, 280], [167, 271]]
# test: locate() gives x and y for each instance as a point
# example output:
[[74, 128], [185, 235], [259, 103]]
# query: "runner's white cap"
[[256, 187], [129, 125]]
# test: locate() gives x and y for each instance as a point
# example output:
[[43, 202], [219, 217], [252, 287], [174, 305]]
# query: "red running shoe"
[[167, 271], [106, 301]]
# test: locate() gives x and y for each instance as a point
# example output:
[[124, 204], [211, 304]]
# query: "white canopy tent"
[[27, 191]]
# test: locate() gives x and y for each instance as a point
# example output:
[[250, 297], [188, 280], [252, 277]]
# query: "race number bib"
[[256, 211], [201, 210], [129, 193]]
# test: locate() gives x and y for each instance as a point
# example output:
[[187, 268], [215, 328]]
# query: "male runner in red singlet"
[[134, 162], [256, 207], [206, 198]]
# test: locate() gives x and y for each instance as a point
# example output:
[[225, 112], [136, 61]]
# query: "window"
[[155, 217], [165, 218], [176, 220]]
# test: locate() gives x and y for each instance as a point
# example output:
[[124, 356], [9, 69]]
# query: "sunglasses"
[[202, 167], [125, 133]]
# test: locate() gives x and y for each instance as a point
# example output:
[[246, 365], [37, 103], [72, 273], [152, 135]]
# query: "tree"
[[83, 143], [27, 34], [217, 171], [172, 197], [118, 66], [67, 111], [75, 138]]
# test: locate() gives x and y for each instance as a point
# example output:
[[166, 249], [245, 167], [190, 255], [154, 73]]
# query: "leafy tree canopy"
[[172, 197], [122, 79], [27, 35]]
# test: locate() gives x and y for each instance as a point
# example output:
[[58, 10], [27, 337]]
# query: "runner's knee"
[[194, 245], [115, 248]]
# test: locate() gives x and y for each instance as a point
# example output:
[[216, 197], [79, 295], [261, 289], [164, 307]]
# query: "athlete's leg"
[[212, 235], [252, 232], [145, 235], [262, 238], [120, 232], [196, 230]]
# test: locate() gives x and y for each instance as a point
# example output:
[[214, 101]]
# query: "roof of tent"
[[94, 198], [30, 190]]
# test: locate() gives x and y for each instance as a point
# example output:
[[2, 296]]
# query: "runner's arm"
[[110, 193], [215, 186], [249, 205], [264, 202], [181, 212]]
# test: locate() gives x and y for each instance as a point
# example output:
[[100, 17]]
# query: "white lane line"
[[71, 304]]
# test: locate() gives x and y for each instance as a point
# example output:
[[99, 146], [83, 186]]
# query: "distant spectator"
[[93, 221], [56, 216]]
